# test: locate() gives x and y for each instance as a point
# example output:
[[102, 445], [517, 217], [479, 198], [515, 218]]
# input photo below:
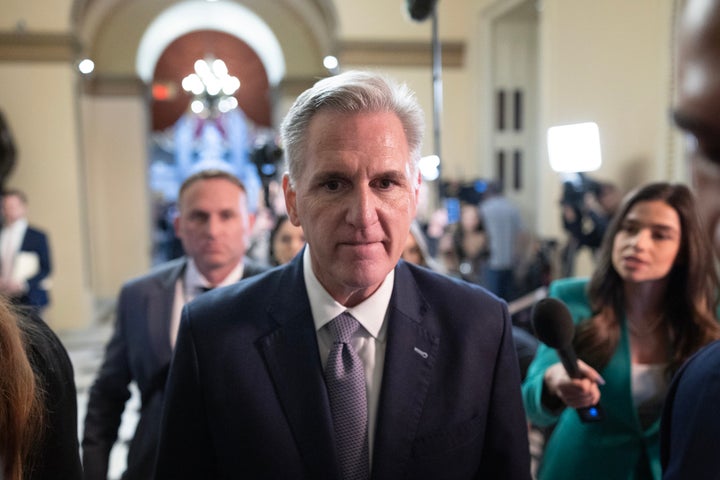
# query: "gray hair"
[[351, 92]]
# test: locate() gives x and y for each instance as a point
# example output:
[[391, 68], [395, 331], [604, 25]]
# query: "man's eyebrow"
[[328, 175], [394, 174], [336, 174]]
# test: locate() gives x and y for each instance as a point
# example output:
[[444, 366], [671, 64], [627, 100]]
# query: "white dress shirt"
[[369, 342], [11, 237], [190, 285]]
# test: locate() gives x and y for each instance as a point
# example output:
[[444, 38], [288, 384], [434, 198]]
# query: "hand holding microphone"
[[574, 392], [577, 385]]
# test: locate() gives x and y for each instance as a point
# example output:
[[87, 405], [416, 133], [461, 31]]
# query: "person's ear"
[[290, 200]]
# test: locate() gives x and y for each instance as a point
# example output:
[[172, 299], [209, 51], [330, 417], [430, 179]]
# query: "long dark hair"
[[692, 289], [279, 222], [21, 396]]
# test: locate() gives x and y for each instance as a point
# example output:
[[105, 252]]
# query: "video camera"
[[575, 187]]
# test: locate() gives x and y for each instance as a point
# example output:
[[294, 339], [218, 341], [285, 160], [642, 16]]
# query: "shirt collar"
[[195, 280], [370, 313], [18, 225]]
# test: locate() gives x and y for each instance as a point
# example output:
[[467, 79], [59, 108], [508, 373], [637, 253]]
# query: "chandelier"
[[212, 87]]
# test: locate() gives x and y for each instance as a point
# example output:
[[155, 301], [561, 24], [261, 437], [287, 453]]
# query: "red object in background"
[[162, 91]]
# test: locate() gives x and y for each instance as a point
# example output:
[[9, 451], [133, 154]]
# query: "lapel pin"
[[420, 352]]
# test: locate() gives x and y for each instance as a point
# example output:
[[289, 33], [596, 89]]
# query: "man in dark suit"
[[213, 224], [25, 264], [690, 424], [347, 363]]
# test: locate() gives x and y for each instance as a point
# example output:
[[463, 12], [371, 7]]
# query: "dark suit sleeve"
[[506, 452], [38, 243], [185, 449], [58, 455], [690, 424], [108, 396]]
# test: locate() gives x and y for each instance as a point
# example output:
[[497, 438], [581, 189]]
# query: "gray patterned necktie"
[[345, 378]]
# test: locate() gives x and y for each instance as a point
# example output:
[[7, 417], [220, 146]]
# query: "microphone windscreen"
[[420, 9], [553, 323]]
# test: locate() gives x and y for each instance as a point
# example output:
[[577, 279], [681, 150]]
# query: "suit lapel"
[[291, 354], [25, 242], [161, 301], [159, 310], [410, 356]]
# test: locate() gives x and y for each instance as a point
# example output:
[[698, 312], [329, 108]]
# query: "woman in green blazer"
[[647, 307]]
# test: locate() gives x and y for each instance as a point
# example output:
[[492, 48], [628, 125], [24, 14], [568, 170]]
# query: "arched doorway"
[[194, 129]]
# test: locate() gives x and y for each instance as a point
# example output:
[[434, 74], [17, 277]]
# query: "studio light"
[[574, 148]]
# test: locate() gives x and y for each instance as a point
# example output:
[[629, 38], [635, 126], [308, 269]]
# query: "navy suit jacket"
[[690, 425], [246, 396], [139, 351], [36, 241]]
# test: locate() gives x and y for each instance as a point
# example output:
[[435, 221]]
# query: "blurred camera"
[[575, 188]]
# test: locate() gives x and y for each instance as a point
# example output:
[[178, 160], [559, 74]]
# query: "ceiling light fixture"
[[212, 86]]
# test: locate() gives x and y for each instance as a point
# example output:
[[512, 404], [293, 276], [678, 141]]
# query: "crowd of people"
[[329, 357]]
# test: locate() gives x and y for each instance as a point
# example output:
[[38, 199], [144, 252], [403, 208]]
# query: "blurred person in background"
[[286, 241], [507, 239], [587, 206], [471, 244], [25, 265], [416, 250]]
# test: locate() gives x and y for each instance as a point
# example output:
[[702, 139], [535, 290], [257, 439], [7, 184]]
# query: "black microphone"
[[420, 9], [554, 327]]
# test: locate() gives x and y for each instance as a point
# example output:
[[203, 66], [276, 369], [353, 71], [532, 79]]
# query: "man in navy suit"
[[25, 264], [214, 226], [690, 424], [247, 395]]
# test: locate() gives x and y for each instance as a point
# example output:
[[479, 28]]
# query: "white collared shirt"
[[11, 237], [189, 285], [370, 343]]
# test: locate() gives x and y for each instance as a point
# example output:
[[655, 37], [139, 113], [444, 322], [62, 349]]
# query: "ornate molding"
[[114, 85], [403, 54], [38, 47]]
